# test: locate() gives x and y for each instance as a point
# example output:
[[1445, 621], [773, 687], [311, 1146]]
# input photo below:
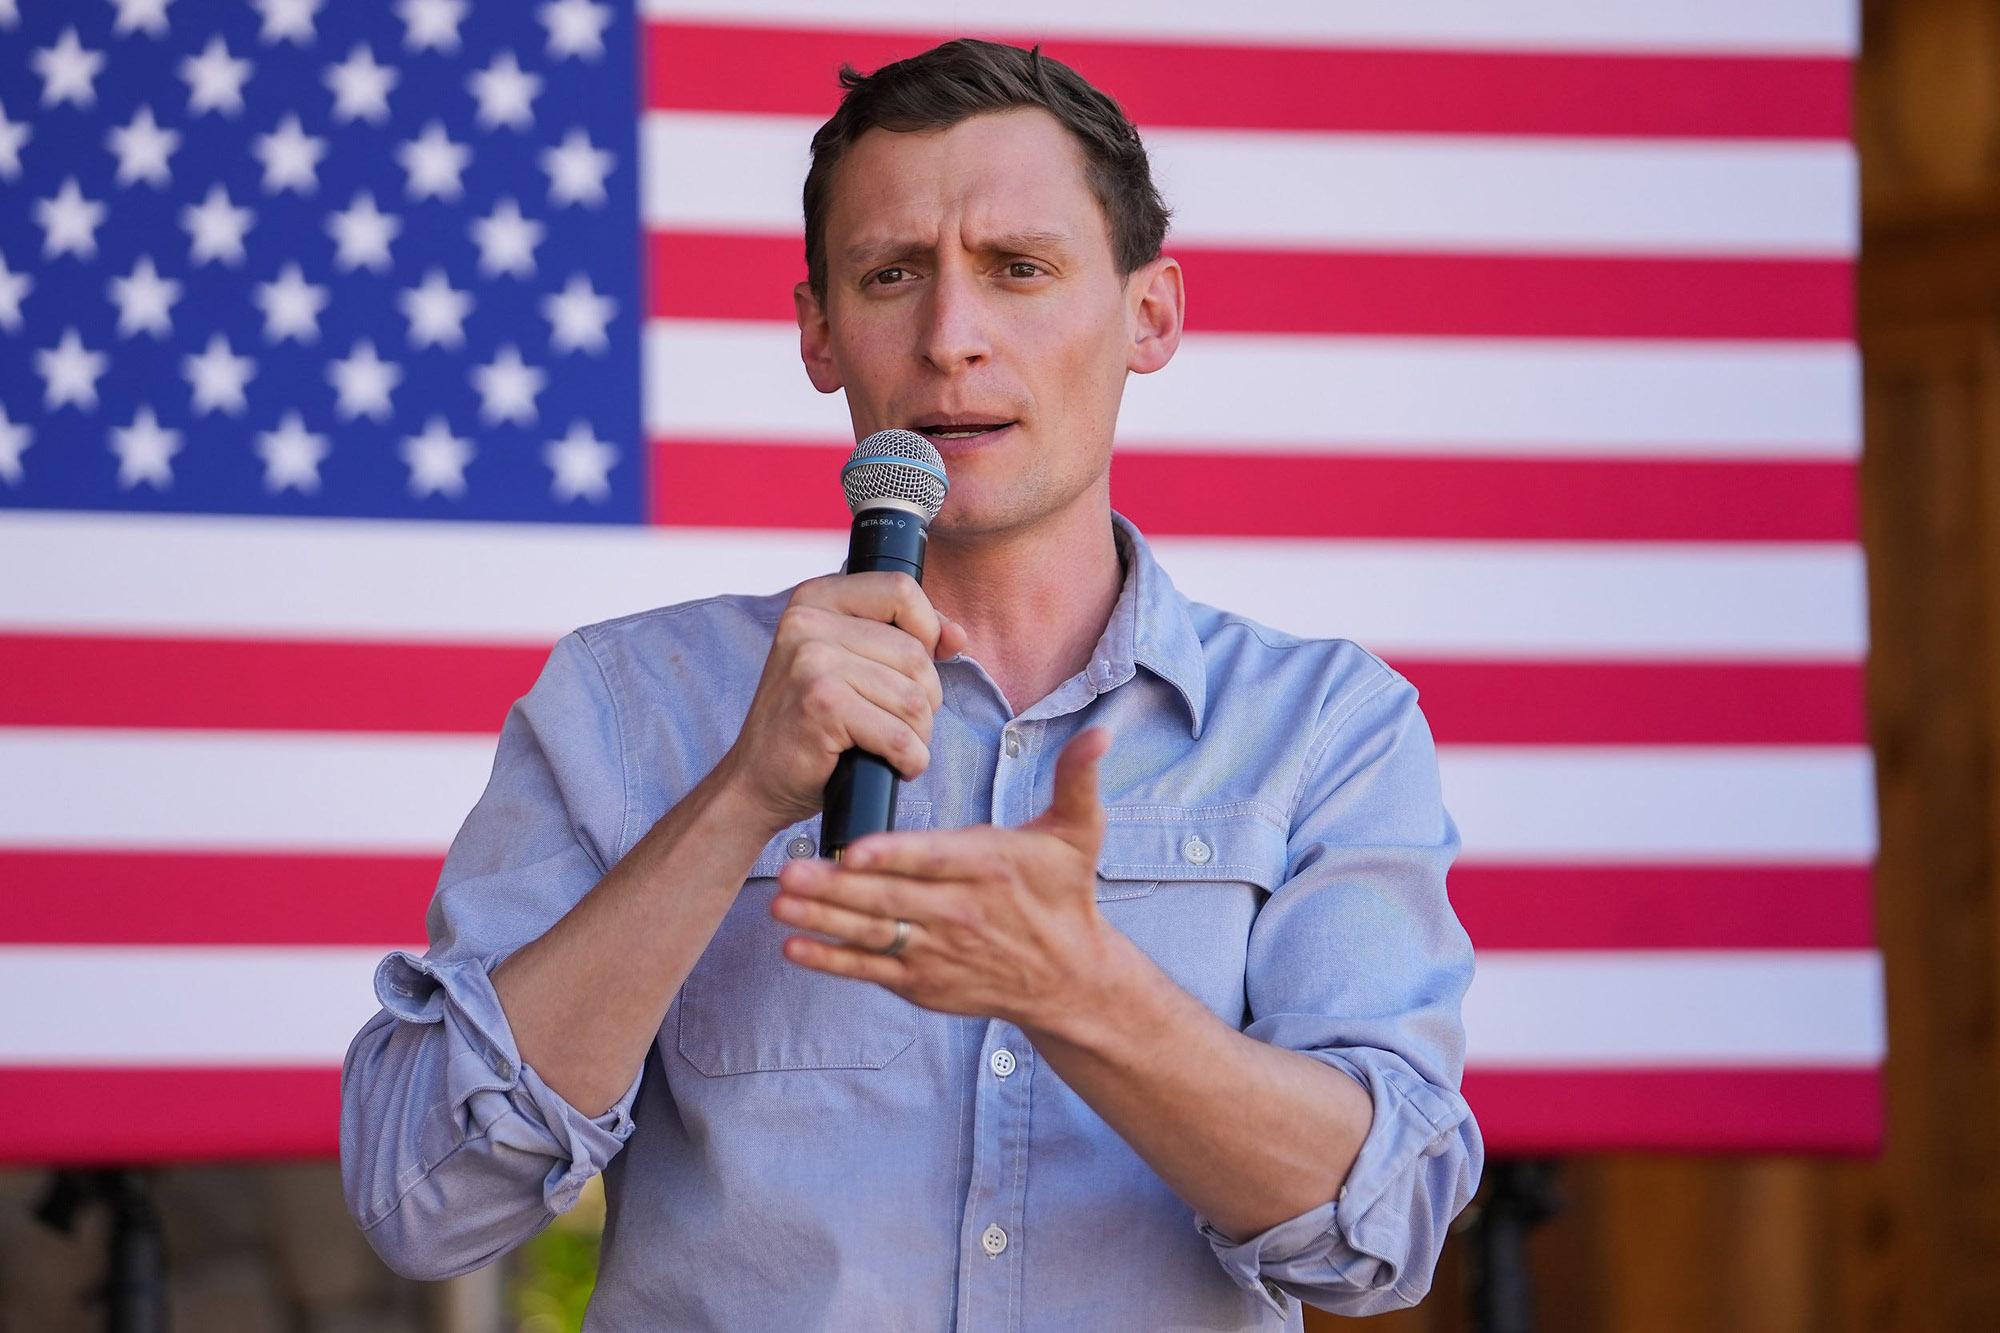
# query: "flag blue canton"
[[298, 257]]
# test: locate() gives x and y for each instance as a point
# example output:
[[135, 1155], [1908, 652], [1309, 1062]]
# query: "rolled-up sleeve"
[[452, 1149], [1358, 960]]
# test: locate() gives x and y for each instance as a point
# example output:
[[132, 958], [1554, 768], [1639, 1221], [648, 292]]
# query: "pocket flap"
[[1240, 841], [909, 815]]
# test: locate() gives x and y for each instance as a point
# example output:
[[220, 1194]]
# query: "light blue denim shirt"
[[802, 1151]]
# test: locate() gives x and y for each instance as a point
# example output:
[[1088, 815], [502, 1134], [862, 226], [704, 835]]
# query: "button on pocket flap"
[[1155, 843], [802, 838]]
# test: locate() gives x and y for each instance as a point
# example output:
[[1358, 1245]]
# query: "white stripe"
[[1796, 26], [1629, 1008], [131, 1006], [368, 792], [238, 790], [741, 379], [302, 577], [1733, 804], [271, 1006], [1539, 600], [718, 171], [197, 575]]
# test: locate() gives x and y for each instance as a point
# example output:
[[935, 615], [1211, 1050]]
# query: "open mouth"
[[955, 432]]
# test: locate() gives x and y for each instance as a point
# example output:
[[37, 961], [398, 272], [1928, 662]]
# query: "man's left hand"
[[1003, 922]]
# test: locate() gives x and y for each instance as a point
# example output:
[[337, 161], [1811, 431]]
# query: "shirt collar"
[[1150, 626]]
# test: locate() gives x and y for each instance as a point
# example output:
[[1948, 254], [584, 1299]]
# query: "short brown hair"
[[965, 78]]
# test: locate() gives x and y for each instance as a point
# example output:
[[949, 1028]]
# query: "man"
[[1172, 1036]]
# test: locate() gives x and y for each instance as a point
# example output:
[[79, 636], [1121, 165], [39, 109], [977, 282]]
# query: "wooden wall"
[[1909, 1242]]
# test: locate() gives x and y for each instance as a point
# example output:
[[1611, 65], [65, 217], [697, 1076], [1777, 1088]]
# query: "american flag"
[[356, 352]]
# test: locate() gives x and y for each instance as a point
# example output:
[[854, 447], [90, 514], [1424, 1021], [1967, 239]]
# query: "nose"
[[954, 333]]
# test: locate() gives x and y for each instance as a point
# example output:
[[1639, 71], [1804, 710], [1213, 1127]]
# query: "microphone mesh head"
[[895, 465]]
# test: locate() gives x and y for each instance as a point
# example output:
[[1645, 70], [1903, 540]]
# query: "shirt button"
[[1013, 744], [799, 847], [993, 1240], [1196, 851], [1002, 1061]]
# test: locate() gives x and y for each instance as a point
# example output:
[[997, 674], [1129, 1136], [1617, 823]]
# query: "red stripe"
[[87, 1116], [59, 681], [792, 71], [1681, 1110], [56, 681], [126, 1117], [1642, 703], [88, 897], [1184, 493], [706, 275], [188, 898], [1664, 907]]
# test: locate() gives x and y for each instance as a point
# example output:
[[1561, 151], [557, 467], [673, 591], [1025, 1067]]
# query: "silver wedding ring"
[[895, 946]]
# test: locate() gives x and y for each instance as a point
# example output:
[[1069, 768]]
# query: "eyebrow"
[[869, 253]]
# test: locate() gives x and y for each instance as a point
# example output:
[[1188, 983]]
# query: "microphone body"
[[894, 483]]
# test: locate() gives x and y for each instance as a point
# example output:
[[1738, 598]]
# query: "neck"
[[1033, 602]]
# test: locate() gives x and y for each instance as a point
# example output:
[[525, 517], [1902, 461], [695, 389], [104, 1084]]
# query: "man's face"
[[972, 296]]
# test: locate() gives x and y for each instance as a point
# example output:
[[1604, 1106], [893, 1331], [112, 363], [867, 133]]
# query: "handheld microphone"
[[895, 485]]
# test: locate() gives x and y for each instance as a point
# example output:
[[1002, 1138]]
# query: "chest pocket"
[[745, 1008], [1146, 846]]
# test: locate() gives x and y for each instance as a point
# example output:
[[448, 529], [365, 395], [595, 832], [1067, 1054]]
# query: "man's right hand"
[[851, 666]]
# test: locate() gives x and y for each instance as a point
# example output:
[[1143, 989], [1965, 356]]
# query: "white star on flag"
[[361, 87], [142, 149], [362, 235], [14, 441], [69, 222], [290, 157], [507, 241], [70, 372], [216, 378], [145, 451], [291, 455], [291, 306], [68, 71], [434, 164], [581, 464], [147, 16], [14, 289], [576, 28], [13, 135], [577, 170], [437, 460], [145, 300], [287, 20], [431, 24], [215, 228], [505, 92], [363, 382], [436, 312], [507, 387], [215, 79], [577, 317]]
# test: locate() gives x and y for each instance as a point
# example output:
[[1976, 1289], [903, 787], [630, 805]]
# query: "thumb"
[[1076, 815]]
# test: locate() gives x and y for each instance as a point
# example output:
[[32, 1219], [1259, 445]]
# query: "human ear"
[[815, 339], [1158, 295]]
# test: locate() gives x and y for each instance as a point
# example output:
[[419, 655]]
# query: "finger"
[[947, 855], [892, 599], [894, 693], [870, 894], [952, 638], [1076, 814], [864, 930], [883, 734], [892, 648], [841, 961]]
